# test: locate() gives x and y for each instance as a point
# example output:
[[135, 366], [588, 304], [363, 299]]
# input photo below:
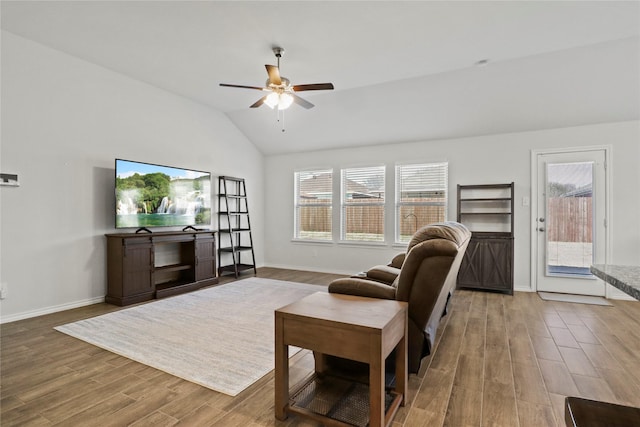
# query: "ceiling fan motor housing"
[[285, 84]]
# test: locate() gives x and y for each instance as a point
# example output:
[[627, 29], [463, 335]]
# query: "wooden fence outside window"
[[570, 219]]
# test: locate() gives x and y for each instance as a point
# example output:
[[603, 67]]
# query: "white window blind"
[[362, 213], [421, 197], [313, 202]]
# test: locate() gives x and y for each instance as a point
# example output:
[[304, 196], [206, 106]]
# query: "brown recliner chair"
[[425, 277]]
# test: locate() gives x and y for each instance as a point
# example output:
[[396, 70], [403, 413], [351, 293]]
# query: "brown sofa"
[[425, 277]]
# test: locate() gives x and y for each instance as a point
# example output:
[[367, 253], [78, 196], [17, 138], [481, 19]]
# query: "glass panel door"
[[570, 222]]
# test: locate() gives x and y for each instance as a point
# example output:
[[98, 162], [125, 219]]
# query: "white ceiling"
[[403, 71]]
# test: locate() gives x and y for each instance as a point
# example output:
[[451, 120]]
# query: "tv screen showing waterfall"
[[149, 195]]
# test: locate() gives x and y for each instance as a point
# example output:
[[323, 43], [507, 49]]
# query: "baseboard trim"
[[49, 310], [311, 269]]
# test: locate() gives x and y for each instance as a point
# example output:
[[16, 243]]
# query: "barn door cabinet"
[[487, 210], [157, 265]]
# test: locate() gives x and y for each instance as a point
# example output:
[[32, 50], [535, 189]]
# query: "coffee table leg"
[[320, 362], [281, 371], [401, 367], [376, 387]]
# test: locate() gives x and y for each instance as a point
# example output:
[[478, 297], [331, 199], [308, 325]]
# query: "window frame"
[[398, 191], [381, 168], [297, 205]]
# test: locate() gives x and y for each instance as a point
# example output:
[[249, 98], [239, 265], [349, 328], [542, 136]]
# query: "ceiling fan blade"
[[242, 86], [274, 75], [314, 86], [303, 102], [259, 102]]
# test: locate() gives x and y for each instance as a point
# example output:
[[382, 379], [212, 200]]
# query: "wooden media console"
[[141, 267]]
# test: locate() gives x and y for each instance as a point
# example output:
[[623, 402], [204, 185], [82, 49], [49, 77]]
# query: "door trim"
[[608, 149]]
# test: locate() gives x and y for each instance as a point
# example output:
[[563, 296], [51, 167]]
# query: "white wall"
[[478, 160], [64, 121]]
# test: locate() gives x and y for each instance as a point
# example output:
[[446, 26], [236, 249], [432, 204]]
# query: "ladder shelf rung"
[[237, 267], [236, 248], [231, 178], [232, 196]]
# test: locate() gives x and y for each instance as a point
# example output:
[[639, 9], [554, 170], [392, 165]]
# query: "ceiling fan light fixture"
[[272, 100], [285, 101], [281, 100]]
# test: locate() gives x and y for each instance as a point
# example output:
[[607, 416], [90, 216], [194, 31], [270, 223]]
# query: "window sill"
[[313, 242], [363, 243]]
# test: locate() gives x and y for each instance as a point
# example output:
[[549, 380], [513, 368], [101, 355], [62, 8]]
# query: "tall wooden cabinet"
[[160, 264], [487, 210]]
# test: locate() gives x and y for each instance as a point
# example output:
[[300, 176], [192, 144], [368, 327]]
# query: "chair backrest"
[[429, 273]]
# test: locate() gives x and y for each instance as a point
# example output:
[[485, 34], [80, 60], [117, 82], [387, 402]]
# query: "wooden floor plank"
[[529, 384], [498, 405], [582, 334], [469, 373], [563, 337], [536, 415], [593, 388], [465, 408], [577, 361], [600, 356], [557, 378], [545, 348]]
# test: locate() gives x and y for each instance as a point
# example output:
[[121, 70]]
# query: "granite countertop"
[[624, 277]]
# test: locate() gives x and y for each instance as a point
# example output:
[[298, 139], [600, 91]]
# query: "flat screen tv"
[[149, 195]]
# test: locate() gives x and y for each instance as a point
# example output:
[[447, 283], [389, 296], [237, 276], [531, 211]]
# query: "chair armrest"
[[362, 288], [383, 273], [398, 260]]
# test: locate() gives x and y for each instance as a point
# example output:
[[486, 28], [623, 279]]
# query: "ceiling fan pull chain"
[[278, 119], [282, 120]]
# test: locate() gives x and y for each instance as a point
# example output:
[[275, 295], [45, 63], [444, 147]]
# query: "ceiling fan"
[[281, 93]]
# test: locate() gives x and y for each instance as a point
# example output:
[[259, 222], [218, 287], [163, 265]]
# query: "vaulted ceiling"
[[403, 71]]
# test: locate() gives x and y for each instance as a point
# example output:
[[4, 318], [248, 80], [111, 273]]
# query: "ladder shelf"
[[235, 253]]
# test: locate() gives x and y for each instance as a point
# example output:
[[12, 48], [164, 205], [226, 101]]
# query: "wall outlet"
[[525, 201], [3, 291]]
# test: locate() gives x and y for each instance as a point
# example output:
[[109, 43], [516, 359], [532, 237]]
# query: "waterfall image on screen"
[[149, 195]]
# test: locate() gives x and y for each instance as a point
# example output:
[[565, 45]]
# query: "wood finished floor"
[[499, 361]]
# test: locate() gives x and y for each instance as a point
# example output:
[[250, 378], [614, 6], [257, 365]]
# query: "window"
[[362, 214], [313, 201], [421, 197]]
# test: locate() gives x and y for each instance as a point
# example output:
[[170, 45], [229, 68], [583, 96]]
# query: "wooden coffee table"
[[356, 328]]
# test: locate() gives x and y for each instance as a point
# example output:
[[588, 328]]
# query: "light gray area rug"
[[221, 337], [580, 299]]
